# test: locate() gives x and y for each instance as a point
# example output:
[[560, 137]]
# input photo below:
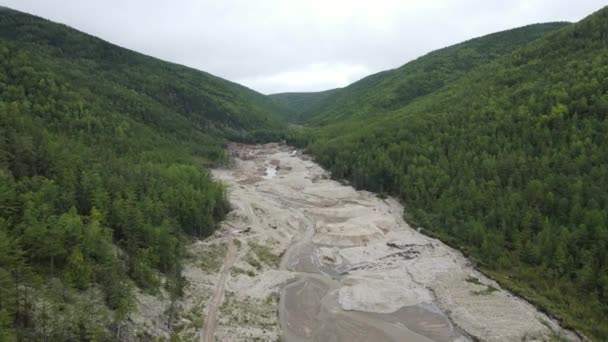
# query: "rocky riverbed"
[[316, 260]]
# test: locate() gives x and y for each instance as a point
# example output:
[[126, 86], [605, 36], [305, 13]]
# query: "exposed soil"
[[207, 335], [351, 268], [305, 258]]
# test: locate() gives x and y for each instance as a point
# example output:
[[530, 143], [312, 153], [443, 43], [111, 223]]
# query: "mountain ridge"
[[63, 42], [419, 76]]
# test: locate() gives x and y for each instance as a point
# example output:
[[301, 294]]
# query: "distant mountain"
[[499, 147], [299, 103], [188, 95], [103, 175], [392, 89]]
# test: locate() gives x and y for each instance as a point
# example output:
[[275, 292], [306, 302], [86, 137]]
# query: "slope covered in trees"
[[392, 89], [506, 161], [297, 104], [102, 175]]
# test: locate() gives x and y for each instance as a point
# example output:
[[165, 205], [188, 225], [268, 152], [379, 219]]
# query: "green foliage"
[[237, 270], [101, 179], [505, 159], [393, 89], [78, 272], [214, 258], [296, 104], [264, 255], [251, 260]]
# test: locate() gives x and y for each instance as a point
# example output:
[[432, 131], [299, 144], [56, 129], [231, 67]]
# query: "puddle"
[[271, 172]]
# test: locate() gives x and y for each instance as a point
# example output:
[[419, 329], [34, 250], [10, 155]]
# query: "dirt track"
[[351, 268], [208, 332]]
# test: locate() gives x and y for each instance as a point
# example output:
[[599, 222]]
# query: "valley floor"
[[312, 259]]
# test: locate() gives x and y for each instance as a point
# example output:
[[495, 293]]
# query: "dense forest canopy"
[[297, 104], [103, 157], [392, 89], [504, 157], [497, 145]]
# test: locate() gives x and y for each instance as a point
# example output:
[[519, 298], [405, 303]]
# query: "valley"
[[460, 196]]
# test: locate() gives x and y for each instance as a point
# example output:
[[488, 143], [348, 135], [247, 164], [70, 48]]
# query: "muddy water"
[[309, 309]]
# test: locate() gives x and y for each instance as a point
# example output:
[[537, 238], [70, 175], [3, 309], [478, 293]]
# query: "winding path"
[[208, 329]]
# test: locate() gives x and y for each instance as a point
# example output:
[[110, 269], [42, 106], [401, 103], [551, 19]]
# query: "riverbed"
[[317, 260]]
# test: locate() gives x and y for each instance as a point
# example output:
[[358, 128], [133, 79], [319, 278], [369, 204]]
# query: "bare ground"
[[315, 260], [207, 335]]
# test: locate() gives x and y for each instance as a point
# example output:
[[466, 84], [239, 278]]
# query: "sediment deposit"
[[342, 265]]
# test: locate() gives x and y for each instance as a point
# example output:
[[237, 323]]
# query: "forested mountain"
[[505, 158], [298, 103], [393, 89], [497, 145], [102, 175]]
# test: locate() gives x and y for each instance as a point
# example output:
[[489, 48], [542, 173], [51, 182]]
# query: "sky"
[[297, 45]]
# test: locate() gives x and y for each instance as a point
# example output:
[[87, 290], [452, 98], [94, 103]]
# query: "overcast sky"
[[277, 46]]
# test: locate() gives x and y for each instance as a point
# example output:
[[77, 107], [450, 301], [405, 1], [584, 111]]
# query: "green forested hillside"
[[393, 89], [297, 104], [507, 161], [102, 175]]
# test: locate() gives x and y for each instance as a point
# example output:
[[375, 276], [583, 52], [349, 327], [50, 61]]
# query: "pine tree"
[[78, 272]]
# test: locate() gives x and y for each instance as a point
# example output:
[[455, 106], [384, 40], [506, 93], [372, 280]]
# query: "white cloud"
[[297, 45], [312, 77]]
